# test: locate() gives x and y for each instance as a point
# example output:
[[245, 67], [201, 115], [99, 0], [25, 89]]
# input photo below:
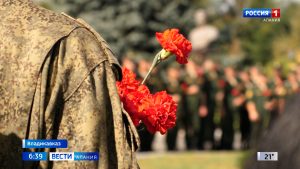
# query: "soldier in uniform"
[[279, 95], [297, 72], [210, 89], [58, 80], [128, 63], [194, 104], [292, 84], [241, 102], [173, 87], [227, 121], [257, 98]]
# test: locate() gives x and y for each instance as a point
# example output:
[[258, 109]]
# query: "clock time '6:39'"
[[34, 156]]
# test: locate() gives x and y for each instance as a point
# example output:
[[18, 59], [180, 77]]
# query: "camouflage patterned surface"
[[59, 74]]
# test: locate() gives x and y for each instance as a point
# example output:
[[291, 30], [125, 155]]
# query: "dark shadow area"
[[11, 153], [284, 138]]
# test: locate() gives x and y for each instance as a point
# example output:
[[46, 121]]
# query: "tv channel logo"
[[276, 13], [261, 13], [74, 156]]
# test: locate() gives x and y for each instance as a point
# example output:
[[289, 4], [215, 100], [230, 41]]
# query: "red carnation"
[[136, 102], [128, 83], [157, 112], [162, 114], [172, 41], [135, 97]]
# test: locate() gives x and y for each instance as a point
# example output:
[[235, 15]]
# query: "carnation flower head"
[[135, 103], [135, 97], [157, 112], [172, 41], [161, 115], [128, 83]]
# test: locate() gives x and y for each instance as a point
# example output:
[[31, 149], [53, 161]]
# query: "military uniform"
[[58, 82], [245, 125], [174, 88], [279, 94], [191, 120], [210, 89], [259, 98], [291, 88], [227, 121]]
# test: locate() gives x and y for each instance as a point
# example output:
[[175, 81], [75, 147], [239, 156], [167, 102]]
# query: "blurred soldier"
[[297, 71], [173, 87], [192, 100], [230, 92], [257, 97], [292, 84], [278, 96], [58, 81], [128, 63], [219, 109], [201, 37], [241, 102], [210, 89], [155, 83]]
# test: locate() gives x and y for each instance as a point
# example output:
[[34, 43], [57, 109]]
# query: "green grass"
[[193, 160]]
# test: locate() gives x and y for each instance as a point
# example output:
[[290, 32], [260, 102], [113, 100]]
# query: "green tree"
[[257, 36], [130, 24]]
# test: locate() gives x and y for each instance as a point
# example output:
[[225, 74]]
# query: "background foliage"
[[130, 25]]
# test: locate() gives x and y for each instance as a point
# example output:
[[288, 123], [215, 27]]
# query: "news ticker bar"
[[59, 143], [60, 156], [267, 156], [94, 156]]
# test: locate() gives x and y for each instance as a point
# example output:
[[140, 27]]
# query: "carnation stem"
[[155, 62]]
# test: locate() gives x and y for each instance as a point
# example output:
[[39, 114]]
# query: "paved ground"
[[192, 160], [159, 143]]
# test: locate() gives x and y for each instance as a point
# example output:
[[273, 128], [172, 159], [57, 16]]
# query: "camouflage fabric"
[[58, 81]]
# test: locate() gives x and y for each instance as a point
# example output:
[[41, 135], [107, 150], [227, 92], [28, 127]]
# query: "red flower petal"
[[162, 114], [172, 41], [157, 112], [135, 97]]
